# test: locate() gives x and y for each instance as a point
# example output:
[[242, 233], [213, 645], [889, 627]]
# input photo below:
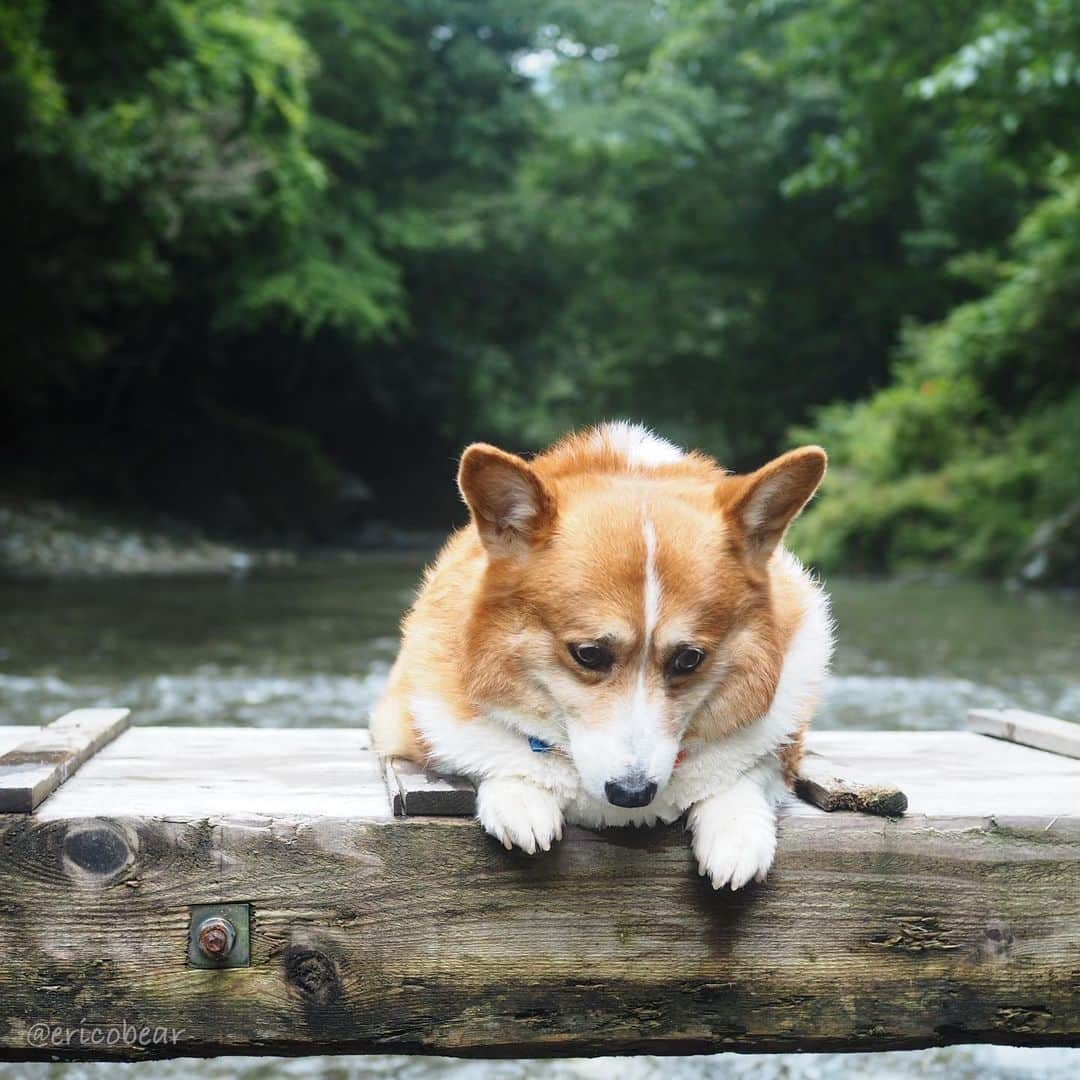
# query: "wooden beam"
[[38, 765], [1028, 729], [370, 933]]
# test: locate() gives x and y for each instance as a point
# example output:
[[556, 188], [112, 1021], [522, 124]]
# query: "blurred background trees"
[[267, 258]]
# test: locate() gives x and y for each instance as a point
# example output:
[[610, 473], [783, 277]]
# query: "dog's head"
[[628, 603]]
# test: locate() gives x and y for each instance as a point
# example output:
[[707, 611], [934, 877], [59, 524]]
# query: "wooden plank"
[[953, 774], [12, 735], [819, 782], [1027, 728], [216, 772], [37, 766], [955, 923], [333, 772], [860, 770], [419, 792]]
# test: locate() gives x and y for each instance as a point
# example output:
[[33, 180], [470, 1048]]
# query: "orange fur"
[[555, 554]]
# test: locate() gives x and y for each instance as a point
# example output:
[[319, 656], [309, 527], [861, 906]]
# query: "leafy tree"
[[232, 235], [962, 460], [275, 255]]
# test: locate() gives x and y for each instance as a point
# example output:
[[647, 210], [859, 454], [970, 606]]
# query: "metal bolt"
[[216, 937]]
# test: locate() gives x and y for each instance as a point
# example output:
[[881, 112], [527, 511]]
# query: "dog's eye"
[[686, 660], [592, 656]]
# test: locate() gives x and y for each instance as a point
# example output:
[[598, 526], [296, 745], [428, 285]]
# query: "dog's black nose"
[[630, 792]]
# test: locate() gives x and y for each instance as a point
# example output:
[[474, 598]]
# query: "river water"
[[311, 647]]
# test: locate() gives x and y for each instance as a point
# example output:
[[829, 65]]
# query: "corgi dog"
[[618, 637]]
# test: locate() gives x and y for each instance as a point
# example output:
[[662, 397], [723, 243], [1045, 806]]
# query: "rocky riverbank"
[[42, 538]]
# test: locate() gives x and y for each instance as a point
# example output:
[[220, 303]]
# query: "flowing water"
[[311, 648]]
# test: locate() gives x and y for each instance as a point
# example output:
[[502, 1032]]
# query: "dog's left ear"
[[761, 505], [509, 503]]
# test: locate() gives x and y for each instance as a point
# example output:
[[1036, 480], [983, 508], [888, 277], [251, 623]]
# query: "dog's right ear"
[[510, 505]]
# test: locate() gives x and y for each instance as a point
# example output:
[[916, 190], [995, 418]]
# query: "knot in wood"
[[96, 851], [997, 939], [313, 973]]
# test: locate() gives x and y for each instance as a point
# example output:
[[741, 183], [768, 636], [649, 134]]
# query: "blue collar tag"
[[538, 746]]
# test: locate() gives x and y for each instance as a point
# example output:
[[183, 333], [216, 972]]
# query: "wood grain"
[[959, 922], [1027, 728], [35, 767]]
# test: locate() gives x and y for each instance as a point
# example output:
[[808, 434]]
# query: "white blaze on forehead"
[[634, 743], [652, 582], [640, 447], [645, 715]]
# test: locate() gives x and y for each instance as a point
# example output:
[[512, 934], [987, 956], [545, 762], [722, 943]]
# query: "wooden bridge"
[[253, 891]]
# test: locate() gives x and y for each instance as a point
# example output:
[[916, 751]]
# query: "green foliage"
[[969, 452], [233, 219], [189, 137], [964, 461], [267, 249]]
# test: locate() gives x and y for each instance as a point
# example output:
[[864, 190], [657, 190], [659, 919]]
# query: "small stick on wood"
[[417, 793], [1028, 729], [819, 783], [35, 768]]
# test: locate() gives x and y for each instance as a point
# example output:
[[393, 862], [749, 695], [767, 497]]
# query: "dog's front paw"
[[519, 814], [734, 835]]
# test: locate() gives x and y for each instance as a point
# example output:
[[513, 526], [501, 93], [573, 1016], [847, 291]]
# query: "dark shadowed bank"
[[275, 264]]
